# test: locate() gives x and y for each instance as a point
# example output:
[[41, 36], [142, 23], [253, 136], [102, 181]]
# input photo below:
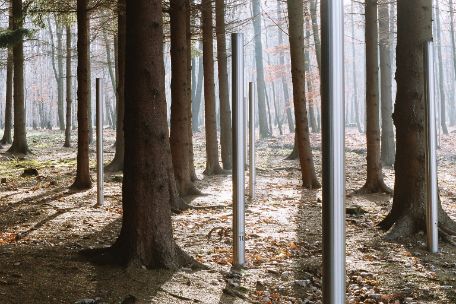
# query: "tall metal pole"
[[432, 195], [100, 173], [333, 173], [237, 44], [252, 170]]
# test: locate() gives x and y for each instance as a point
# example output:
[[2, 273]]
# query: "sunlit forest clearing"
[[227, 151]]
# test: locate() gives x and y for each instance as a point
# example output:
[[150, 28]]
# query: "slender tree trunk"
[[60, 81], [414, 28], [19, 145], [69, 88], [6, 139], [313, 122], [212, 161], [296, 36], [261, 86], [453, 48], [355, 82], [111, 117], [180, 120], [316, 31], [196, 104], [146, 236], [387, 146], [225, 110], [83, 180], [441, 72], [89, 84], [117, 163], [374, 181]]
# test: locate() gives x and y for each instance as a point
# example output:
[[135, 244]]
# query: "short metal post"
[[432, 195], [333, 173], [237, 44], [99, 121], [252, 170]]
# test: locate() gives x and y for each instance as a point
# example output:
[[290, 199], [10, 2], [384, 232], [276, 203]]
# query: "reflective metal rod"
[[237, 44], [432, 195], [333, 171], [252, 171], [99, 114]]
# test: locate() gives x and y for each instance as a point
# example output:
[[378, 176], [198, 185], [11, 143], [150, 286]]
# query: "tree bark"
[[6, 139], [196, 103], [296, 37], [83, 180], [355, 82], [414, 28], [225, 110], [117, 163], [374, 182], [312, 118], [387, 145], [69, 88], [180, 120], [261, 86], [212, 161], [146, 236], [19, 145], [453, 49]]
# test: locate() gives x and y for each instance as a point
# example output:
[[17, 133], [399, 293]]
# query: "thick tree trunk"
[[441, 72], [83, 180], [69, 88], [296, 36], [261, 86], [225, 110], [19, 145], [180, 120], [146, 236], [6, 139], [212, 161], [374, 181], [387, 146], [414, 28], [117, 163]]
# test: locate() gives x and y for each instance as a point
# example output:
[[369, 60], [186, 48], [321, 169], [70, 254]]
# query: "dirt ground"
[[43, 227]]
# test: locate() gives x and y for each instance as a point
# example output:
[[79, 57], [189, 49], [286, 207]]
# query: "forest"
[[225, 152]]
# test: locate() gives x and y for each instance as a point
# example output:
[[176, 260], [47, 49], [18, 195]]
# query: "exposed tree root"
[[371, 188], [215, 171], [404, 227]]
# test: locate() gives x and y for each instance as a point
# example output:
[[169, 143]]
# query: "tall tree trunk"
[[312, 118], [387, 154], [117, 163], [212, 161], [180, 120], [111, 117], [69, 87], [441, 72], [146, 236], [316, 31], [414, 28], [296, 36], [453, 48], [19, 145], [225, 110], [291, 126], [6, 139], [261, 86], [83, 180], [374, 182], [355, 82], [89, 83]]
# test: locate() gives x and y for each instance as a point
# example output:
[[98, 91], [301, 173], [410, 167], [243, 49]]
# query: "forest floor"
[[43, 227]]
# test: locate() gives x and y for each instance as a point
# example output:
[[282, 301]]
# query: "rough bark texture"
[[387, 147], [296, 36], [374, 182], [146, 236], [261, 86], [117, 163], [19, 145], [212, 161], [83, 180], [408, 210], [225, 110], [69, 88], [180, 120]]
